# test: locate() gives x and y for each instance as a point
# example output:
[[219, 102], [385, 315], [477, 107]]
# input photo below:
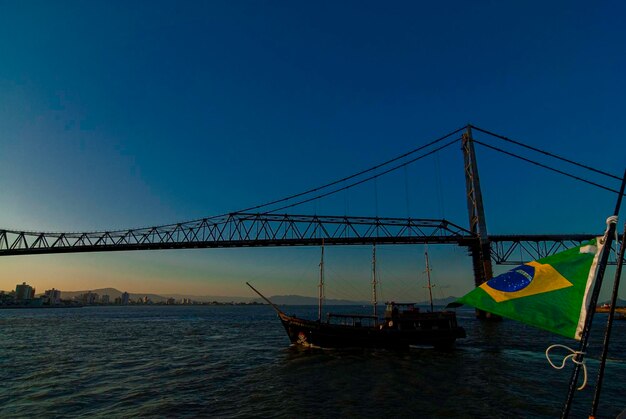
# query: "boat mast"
[[321, 286], [430, 287], [374, 282]]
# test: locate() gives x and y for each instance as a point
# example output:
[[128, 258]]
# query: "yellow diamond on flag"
[[529, 279]]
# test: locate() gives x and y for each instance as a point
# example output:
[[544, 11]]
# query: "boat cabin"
[[407, 316], [394, 310], [354, 320]]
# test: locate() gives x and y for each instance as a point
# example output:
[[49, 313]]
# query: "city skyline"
[[144, 115]]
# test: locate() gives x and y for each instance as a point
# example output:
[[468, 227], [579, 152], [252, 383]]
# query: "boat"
[[402, 325]]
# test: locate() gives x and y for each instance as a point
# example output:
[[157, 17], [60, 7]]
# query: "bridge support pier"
[[480, 250]]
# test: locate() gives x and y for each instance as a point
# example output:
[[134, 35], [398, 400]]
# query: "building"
[[125, 298], [89, 298], [170, 301], [24, 292], [7, 298], [52, 296], [105, 299]]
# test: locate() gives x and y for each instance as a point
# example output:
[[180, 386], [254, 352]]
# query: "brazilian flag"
[[550, 293]]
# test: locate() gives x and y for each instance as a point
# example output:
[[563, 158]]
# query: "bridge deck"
[[264, 230]]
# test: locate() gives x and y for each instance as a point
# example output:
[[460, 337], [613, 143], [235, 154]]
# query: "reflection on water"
[[235, 361]]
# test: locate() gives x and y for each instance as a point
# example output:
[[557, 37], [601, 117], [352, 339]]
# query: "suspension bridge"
[[269, 224]]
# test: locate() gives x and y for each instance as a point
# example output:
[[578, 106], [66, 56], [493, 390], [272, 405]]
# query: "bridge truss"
[[263, 230]]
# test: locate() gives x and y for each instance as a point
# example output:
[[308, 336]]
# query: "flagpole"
[[592, 305], [609, 324]]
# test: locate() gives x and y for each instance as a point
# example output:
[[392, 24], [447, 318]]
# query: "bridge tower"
[[480, 249]]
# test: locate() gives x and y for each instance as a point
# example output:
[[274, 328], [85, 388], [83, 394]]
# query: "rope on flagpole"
[[573, 355], [613, 220]]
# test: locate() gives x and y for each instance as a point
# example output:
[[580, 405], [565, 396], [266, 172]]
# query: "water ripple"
[[236, 362]]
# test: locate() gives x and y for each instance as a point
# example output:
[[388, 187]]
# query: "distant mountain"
[[300, 300], [211, 298], [440, 301], [112, 293], [276, 299], [156, 298]]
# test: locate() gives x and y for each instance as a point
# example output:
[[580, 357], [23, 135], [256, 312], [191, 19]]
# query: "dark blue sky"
[[124, 114]]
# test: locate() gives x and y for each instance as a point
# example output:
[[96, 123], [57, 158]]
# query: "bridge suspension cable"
[[347, 178], [377, 175], [547, 153], [408, 162], [217, 218], [546, 166]]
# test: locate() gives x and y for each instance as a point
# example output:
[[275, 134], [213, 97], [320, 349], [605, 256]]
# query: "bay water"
[[236, 361]]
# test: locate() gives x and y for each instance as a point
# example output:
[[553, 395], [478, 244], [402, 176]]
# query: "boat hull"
[[318, 334]]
